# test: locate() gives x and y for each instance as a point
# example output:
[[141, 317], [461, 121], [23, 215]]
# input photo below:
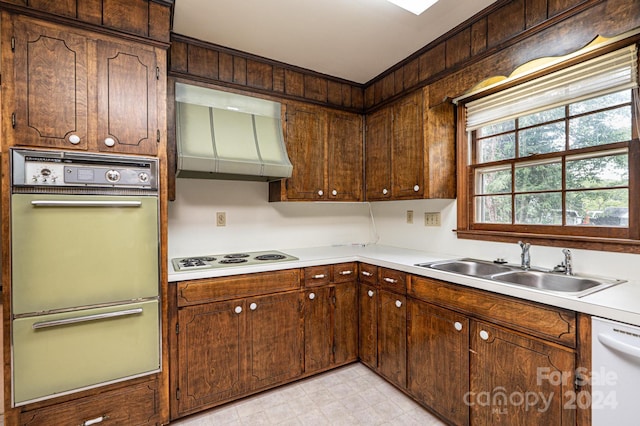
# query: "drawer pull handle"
[[312, 296], [238, 310], [95, 421], [390, 280], [85, 318], [457, 325], [346, 272], [484, 335], [398, 304], [318, 276], [253, 306], [370, 293], [366, 274]]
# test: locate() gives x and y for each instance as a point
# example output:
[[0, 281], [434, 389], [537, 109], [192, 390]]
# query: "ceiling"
[[352, 39]]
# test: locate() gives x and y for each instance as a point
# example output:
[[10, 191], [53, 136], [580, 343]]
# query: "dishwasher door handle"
[[617, 345]]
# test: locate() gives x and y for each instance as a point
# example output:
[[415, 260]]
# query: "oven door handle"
[[83, 203], [86, 318]]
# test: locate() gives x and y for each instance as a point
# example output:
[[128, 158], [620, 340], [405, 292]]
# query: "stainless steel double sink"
[[547, 281]]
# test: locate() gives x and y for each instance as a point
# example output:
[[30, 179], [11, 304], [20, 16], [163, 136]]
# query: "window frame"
[[617, 239]]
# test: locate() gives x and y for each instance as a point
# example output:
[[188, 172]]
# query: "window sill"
[[587, 243]]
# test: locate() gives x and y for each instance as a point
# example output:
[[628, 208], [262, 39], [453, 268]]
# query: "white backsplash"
[[255, 224]]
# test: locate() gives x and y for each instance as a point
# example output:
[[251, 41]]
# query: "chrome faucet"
[[568, 266], [525, 256]]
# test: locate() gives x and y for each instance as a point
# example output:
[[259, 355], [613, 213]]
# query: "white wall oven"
[[84, 264]]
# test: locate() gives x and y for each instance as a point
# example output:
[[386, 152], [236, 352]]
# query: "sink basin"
[[568, 284], [476, 268]]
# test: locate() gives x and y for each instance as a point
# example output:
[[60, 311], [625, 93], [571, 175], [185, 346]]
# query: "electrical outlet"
[[432, 219], [221, 219], [409, 216]]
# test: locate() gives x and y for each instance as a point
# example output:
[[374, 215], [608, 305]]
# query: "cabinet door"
[[368, 325], [211, 354], [438, 359], [50, 86], [378, 155], [344, 160], [276, 339], [318, 336], [345, 340], [127, 98], [305, 138], [392, 337], [407, 153], [517, 380]]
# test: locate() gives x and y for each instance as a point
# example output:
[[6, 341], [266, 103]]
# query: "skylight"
[[414, 6]]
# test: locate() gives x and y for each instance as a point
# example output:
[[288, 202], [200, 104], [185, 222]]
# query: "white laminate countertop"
[[619, 303]]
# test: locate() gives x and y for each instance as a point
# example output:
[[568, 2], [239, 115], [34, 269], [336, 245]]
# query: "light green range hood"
[[223, 135]]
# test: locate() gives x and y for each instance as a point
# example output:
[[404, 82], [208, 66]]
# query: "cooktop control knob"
[[143, 177], [113, 175], [45, 175]]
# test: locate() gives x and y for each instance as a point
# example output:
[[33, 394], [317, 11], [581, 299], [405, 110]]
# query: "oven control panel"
[[57, 168]]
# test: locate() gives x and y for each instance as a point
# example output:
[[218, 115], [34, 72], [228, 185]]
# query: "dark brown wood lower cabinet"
[[345, 339], [518, 380], [227, 349], [438, 359], [368, 325], [392, 337]]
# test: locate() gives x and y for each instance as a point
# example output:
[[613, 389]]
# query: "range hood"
[[223, 135]]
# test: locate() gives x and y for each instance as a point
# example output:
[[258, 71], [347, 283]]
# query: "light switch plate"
[[409, 216], [432, 219]]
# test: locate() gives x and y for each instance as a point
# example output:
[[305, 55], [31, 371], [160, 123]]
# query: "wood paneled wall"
[[210, 63], [144, 18]]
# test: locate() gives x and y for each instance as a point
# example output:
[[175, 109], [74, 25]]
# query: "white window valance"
[[609, 73]]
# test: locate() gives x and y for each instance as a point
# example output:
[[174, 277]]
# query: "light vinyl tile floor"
[[350, 395]]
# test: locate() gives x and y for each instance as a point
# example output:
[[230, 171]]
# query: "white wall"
[[255, 224]]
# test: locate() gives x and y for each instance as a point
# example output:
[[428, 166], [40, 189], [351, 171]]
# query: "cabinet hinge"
[[333, 349], [13, 44], [178, 393], [157, 73], [13, 120], [158, 135], [177, 328]]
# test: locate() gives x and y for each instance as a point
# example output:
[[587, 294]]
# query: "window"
[[556, 157]]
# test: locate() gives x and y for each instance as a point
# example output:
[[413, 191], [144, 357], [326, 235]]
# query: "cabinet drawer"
[[133, 405], [368, 274], [215, 289], [548, 322], [344, 272], [392, 280], [317, 275]]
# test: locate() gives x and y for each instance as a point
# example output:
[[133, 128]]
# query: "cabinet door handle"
[[334, 192], [484, 335], [416, 188], [398, 304], [109, 142], [320, 193], [253, 306], [312, 296], [346, 272], [74, 139], [238, 309], [370, 293], [318, 276], [390, 280], [385, 191], [366, 274], [95, 421], [457, 325]]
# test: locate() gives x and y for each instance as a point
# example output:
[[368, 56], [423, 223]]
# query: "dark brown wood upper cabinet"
[[407, 148], [378, 155], [79, 90]]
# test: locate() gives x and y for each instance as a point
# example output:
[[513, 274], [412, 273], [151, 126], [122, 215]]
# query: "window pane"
[[543, 209], [493, 181], [539, 177], [601, 207], [497, 148], [493, 209], [541, 117], [600, 102], [600, 128], [598, 172], [542, 139], [494, 129]]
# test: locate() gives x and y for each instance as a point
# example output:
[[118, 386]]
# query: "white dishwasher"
[[616, 373]]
